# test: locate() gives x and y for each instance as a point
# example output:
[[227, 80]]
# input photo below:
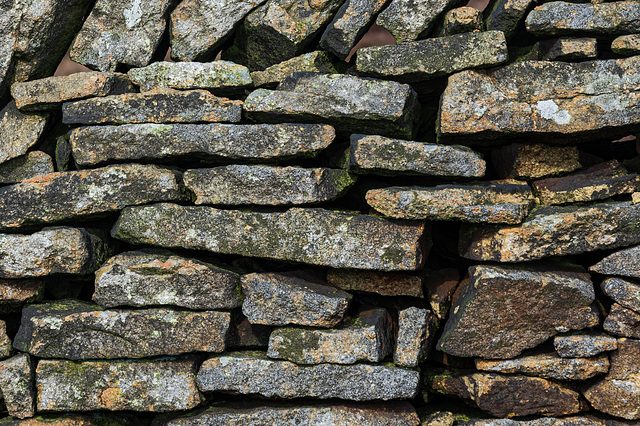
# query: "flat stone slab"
[[367, 337], [350, 104], [254, 373], [410, 20], [626, 45], [315, 236], [554, 231], [622, 321], [62, 196], [266, 185], [383, 283], [434, 57], [483, 202], [532, 161], [584, 345], [94, 145], [16, 384], [505, 15], [623, 262], [317, 61], [378, 154], [159, 106], [147, 385], [563, 103], [416, 327], [501, 311], [16, 293], [30, 165], [626, 293], [158, 277], [18, 131], [567, 49], [51, 92], [275, 299]]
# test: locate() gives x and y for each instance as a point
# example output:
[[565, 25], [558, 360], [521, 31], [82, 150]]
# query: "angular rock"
[[218, 77], [383, 283], [434, 57], [416, 327], [16, 383], [624, 292], [505, 15], [83, 330], [213, 142], [560, 18], [254, 373], [440, 286], [501, 311], [532, 161], [160, 106], [350, 104], [154, 277], [16, 293], [585, 420], [622, 321], [554, 231], [377, 154], [410, 20], [460, 20], [367, 337], [266, 185], [315, 236], [57, 250], [317, 61], [9, 20], [6, 347], [161, 385], [568, 49], [584, 345], [549, 366], [51, 92], [121, 33], [62, 196], [30, 165], [275, 299], [483, 202], [626, 45], [62, 154], [623, 262], [18, 131]]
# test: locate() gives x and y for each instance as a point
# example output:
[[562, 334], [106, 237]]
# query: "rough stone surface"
[[585, 420], [622, 321], [315, 236], [147, 385], [159, 106], [274, 299], [416, 328], [484, 202], [62, 196], [460, 20], [624, 292], [434, 57], [16, 383], [623, 262], [501, 311], [569, 49], [626, 45], [378, 154], [553, 231], [254, 373], [158, 277], [6, 347], [532, 161], [317, 61], [243, 334], [72, 419], [121, 33], [268, 142], [18, 131], [351, 104], [505, 15], [9, 20], [32, 164], [584, 345], [440, 286], [266, 185], [367, 337], [410, 20], [383, 283], [16, 293]]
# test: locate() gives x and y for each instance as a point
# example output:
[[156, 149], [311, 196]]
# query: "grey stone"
[[623, 262], [585, 420], [317, 61], [315, 236], [505, 15], [366, 337], [568, 49], [584, 345], [74, 419], [622, 321], [626, 45], [416, 328], [30, 165], [266, 185], [9, 20], [254, 373], [275, 299], [624, 292], [161, 385], [410, 20], [16, 293], [17, 385], [460, 20], [18, 131], [383, 283], [6, 347], [350, 104], [62, 154], [532, 161], [154, 277]]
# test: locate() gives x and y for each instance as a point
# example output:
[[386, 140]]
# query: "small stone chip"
[[627, 45], [18, 131], [460, 20], [6, 348], [624, 292], [17, 386], [584, 345], [317, 61], [568, 49], [30, 165], [416, 328], [623, 262]]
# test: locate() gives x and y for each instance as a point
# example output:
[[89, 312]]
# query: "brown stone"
[[16, 293], [624, 292], [622, 321], [440, 286], [316, 61], [567, 49], [532, 161], [460, 20], [6, 348], [243, 334], [626, 45], [623, 262], [383, 283]]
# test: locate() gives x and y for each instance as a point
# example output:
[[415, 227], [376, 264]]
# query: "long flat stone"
[[210, 142], [623, 262], [383, 283], [584, 344], [254, 373], [30, 165], [624, 292], [410, 20], [16, 293], [532, 161], [81, 194], [146, 385], [317, 61], [626, 45], [18, 131], [315, 236], [16, 384], [160, 106]]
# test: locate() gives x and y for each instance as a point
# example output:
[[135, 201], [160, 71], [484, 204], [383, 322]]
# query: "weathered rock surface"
[[532, 161], [585, 420], [626, 44], [16, 384], [9, 20], [121, 33], [101, 144], [266, 185], [57, 250], [416, 328], [161, 385], [501, 311], [568, 49], [275, 299], [483, 202], [18, 131], [622, 321], [410, 20], [71, 419], [554, 231], [434, 57], [584, 345], [383, 283], [460, 20], [155, 277], [440, 286], [16, 293], [367, 337], [32, 164], [624, 292], [80, 194], [378, 154], [316, 236], [51, 92], [505, 15], [623, 262], [350, 104], [317, 61], [254, 373], [160, 106], [6, 348]]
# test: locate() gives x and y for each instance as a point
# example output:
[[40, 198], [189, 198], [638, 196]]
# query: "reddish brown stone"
[[15, 293], [531, 161], [383, 283], [622, 321]]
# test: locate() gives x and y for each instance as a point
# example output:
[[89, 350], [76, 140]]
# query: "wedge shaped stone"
[[460, 20], [9, 21], [583, 345], [158, 277], [532, 161], [254, 373], [317, 61], [17, 385], [410, 20], [161, 385], [623, 262], [16, 293], [30, 165], [568, 49], [626, 293], [622, 321], [416, 328], [80, 194], [501, 311], [505, 15], [18, 131], [383, 283], [6, 348], [348, 241], [211, 142], [626, 44]]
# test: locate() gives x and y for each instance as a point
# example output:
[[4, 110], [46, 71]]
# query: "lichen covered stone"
[[410, 20], [583, 345], [19, 131], [505, 15], [626, 45], [383, 283], [460, 20], [623, 262], [317, 61], [15, 293], [622, 321], [30, 165], [17, 386], [532, 161], [416, 327]]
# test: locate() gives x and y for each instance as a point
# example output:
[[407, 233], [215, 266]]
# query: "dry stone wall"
[[442, 231]]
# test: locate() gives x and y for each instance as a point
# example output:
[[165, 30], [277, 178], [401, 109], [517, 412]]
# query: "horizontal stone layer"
[[384, 283], [584, 344], [317, 61], [623, 262]]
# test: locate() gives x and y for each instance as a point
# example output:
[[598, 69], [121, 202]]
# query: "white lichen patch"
[[549, 110]]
